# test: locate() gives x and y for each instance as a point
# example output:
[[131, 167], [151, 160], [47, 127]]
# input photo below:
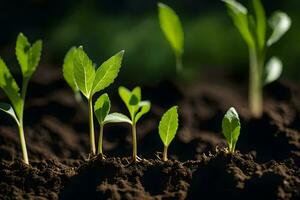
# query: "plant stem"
[[255, 84], [134, 143], [23, 143], [91, 123], [178, 63], [165, 153], [100, 141]]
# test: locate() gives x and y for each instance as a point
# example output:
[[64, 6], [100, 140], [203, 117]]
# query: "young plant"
[[253, 30], [90, 81], [136, 108], [171, 26], [167, 129], [28, 57], [231, 128], [68, 73]]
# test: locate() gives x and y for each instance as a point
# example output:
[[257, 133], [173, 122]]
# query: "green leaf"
[[107, 72], [68, 67], [273, 70], [280, 22], [239, 15], [11, 88], [231, 128], [171, 27], [144, 108], [102, 107], [28, 56], [168, 126], [84, 72], [260, 23], [5, 107], [117, 118], [131, 99]]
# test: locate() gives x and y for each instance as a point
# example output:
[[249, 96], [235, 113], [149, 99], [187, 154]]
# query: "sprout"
[[167, 129], [28, 57], [90, 81], [172, 29], [253, 30], [231, 128]]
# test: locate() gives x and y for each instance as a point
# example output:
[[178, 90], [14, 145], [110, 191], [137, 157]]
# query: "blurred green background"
[[104, 27]]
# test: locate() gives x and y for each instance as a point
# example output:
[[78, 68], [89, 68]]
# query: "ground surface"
[[266, 166]]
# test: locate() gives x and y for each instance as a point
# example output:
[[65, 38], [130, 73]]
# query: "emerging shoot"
[[90, 81], [136, 108], [253, 30], [231, 128], [28, 57], [171, 26], [167, 129]]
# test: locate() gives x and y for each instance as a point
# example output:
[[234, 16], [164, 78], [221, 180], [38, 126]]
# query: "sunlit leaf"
[[168, 126], [273, 70]]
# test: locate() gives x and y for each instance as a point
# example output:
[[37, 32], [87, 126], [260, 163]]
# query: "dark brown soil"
[[266, 165]]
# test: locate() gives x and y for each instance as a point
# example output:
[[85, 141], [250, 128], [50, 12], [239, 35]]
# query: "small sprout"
[[28, 57], [253, 29], [172, 29], [167, 129], [90, 81], [231, 128], [136, 108]]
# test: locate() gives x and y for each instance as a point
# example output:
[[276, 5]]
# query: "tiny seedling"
[[167, 129], [90, 81], [28, 57], [171, 26], [253, 29], [68, 73], [136, 108], [231, 128]]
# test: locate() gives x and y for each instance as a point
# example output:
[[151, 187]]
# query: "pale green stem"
[[91, 123], [100, 141], [134, 143], [178, 63], [23, 143], [165, 153], [255, 84]]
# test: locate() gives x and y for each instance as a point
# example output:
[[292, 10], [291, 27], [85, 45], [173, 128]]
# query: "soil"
[[266, 165]]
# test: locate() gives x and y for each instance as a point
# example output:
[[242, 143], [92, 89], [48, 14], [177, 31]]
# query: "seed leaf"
[[84, 72], [231, 128], [68, 67], [280, 22], [260, 22], [107, 72], [171, 27], [116, 118], [273, 70], [5, 107], [168, 125], [102, 107], [10, 87], [144, 108], [239, 16], [131, 99]]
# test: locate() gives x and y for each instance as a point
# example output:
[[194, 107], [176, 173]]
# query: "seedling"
[[136, 108], [28, 57], [90, 81], [253, 30], [172, 29], [231, 128], [167, 129]]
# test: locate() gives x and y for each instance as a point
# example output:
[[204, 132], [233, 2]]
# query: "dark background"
[[104, 27]]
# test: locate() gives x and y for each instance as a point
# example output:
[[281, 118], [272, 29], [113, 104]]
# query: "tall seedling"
[[253, 29], [28, 57], [90, 81], [171, 27]]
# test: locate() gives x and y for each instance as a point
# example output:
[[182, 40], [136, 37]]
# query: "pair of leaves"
[[168, 126], [231, 128], [171, 27], [28, 57], [132, 100], [80, 74]]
